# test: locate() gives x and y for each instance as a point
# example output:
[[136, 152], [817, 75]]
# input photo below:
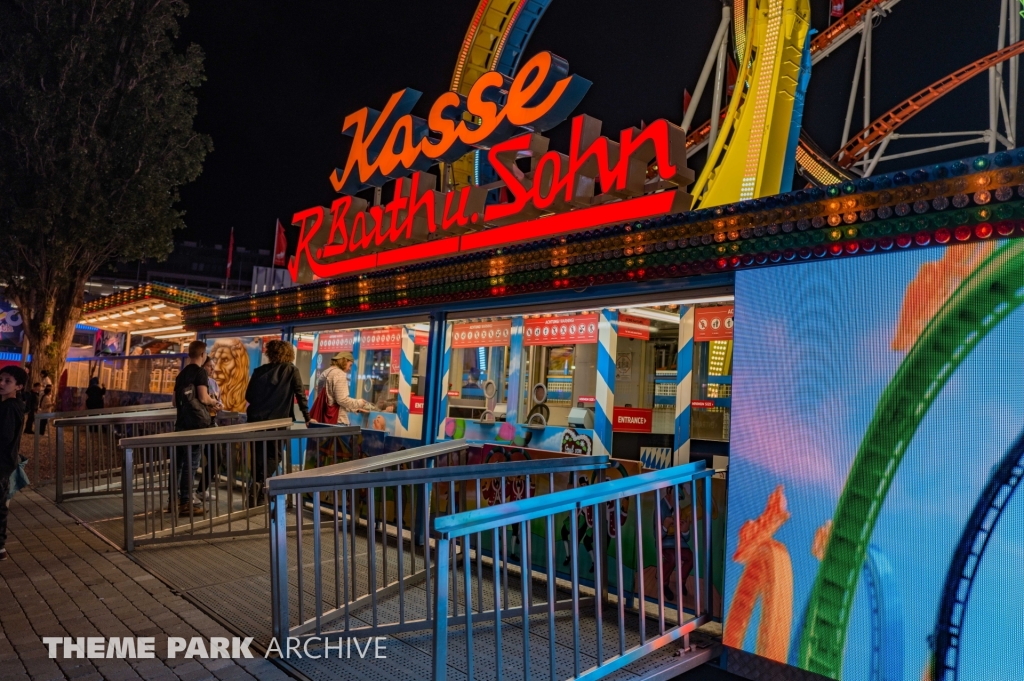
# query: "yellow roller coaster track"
[[481, 49], [746, 161]]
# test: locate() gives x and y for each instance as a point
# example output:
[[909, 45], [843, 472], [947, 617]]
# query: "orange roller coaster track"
[[888, 123]]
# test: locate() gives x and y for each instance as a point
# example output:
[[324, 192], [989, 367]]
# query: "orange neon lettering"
[[393, 143]]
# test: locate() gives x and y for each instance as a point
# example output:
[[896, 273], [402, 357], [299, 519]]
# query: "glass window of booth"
[[539, 374], [559, 369], [711, 406], [478, 370], [375, 373]]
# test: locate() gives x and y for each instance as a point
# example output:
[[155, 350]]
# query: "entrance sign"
[[632, 420], [598, 182]]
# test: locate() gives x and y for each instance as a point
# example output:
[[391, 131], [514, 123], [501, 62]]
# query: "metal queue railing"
[[370, 556], [657, 622], [89, 460], [51, 416], [223, 472]]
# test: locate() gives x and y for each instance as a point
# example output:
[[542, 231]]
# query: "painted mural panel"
[[873, 529]]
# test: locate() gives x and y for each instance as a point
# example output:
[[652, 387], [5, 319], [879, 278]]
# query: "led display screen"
[[878, 410]]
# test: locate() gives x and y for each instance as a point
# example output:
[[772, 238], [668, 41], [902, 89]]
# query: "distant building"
[[193, 265]]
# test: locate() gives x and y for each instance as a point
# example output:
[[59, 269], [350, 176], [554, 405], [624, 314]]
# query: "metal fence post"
[[441, 612], [279, 568], [128, 497], [59, 463]]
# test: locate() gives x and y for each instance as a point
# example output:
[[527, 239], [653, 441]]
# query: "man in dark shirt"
[[12, 419], [192, 400]]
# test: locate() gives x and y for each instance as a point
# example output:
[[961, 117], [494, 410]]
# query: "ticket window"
[[560, 370], [711, 406], [478, 374], [375, 375]]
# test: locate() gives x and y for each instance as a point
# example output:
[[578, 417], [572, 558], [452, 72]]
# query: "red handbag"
[[321, 411]]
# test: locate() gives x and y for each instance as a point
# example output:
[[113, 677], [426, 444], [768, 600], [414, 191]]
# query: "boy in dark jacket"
[[273, 390], [12, 420]]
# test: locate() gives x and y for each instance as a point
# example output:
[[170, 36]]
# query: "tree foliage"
[[97, 103]]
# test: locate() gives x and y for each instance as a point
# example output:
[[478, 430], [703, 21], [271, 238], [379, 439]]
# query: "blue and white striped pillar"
[[515, 371], [684, 386], [313, 367], [353, 379], [446, 370], [604, 394], [407, 349]]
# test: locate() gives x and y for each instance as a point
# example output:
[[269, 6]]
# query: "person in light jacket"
[[335, 382]]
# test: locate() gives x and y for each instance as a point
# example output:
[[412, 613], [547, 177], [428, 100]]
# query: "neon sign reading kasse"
[[599, 181]]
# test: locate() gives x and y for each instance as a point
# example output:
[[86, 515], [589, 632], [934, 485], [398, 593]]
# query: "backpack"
[[192, 414]]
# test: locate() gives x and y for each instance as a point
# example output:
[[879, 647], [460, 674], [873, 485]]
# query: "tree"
[[97, 103]]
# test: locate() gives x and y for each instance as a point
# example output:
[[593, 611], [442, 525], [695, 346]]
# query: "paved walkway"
[[62, 580]]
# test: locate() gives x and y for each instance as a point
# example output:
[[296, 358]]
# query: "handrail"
[[467, 536], [480, 520], [104, 410], [292, 483], [366, 465], [51, 415], [381, 509], [109, 419], [278, 429], [231, 465]]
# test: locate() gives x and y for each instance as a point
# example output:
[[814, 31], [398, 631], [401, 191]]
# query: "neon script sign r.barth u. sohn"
[[599, 181]]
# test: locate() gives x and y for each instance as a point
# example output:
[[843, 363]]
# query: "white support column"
[[720, 37], [1014, 30], [868, 30], [1000, 103], [716, 100], [853, 88]]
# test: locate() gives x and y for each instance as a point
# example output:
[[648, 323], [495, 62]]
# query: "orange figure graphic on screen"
[[768, 576], [934, 283]]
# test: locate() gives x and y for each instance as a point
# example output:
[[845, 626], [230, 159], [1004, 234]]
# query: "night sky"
[[282, 76]]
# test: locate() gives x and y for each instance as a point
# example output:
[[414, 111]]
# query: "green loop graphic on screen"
[[984, 299]]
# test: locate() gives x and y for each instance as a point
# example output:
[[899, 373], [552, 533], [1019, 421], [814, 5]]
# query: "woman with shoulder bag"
[[333, 394]]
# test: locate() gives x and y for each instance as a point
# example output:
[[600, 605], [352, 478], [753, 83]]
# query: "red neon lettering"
[[424, 214], [366, 230], [309, 222], [470, 207]]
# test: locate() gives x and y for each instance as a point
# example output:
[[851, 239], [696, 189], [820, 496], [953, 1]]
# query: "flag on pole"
[[838, 8], [280, 246], [686, 100], [231, 252]]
